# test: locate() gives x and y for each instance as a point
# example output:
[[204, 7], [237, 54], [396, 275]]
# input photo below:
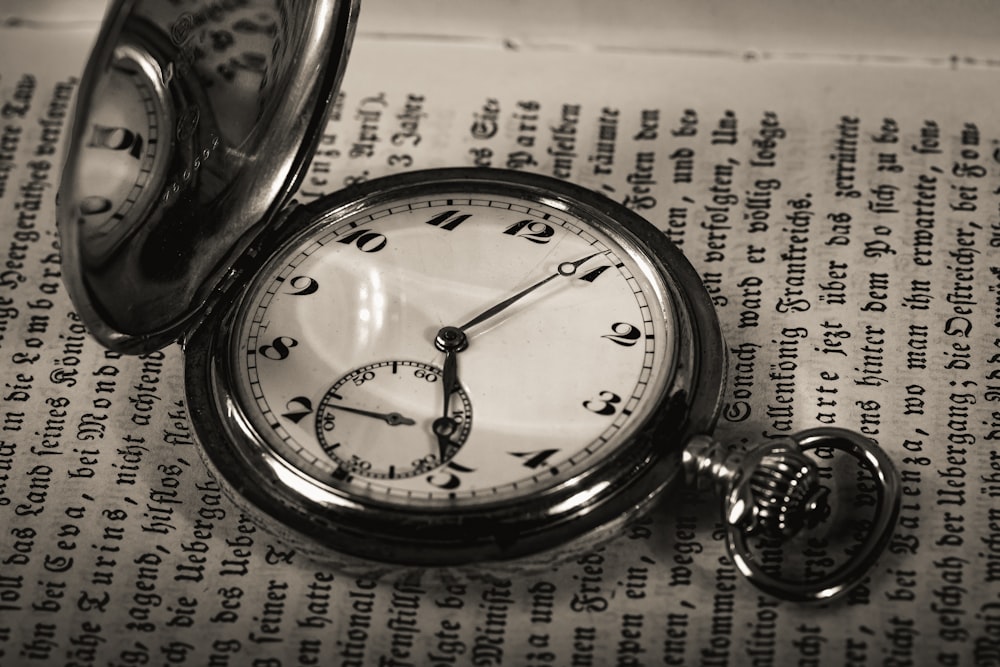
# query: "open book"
[[830, 169]]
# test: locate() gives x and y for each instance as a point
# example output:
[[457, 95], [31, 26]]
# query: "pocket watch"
[[435, 368]]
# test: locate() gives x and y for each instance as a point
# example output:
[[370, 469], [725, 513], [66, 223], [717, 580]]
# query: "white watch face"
[[567, 343]]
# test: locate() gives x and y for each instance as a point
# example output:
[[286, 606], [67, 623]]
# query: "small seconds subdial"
[[384, 420]]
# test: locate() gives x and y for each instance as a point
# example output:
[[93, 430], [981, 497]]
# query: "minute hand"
[[564, 269]]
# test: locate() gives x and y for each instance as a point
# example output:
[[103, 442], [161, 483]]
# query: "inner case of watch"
[[249, 103]]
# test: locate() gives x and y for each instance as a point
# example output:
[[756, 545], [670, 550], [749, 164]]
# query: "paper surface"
[[842, 213]]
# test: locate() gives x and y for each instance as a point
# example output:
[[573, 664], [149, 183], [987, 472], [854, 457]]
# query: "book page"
[[845, 218], [839, 29]]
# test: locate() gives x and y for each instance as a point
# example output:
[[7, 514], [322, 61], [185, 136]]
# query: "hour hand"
[[451, 341], [444, 428]]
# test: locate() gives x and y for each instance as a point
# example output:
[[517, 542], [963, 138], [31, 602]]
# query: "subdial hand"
[[390, 418]]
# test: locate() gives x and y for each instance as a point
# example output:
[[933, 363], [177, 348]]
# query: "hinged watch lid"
[[195, 123]]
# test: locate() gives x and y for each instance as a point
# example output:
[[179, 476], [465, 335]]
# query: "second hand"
[[390, 418], [451, 341]]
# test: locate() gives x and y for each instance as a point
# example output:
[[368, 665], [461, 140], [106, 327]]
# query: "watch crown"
[[771, 490], [782, 493], [774, 490]]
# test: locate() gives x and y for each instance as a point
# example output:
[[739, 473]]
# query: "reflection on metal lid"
[[192, 130]]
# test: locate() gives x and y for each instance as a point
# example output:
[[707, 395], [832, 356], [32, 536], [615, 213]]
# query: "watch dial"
[[452, 349]]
